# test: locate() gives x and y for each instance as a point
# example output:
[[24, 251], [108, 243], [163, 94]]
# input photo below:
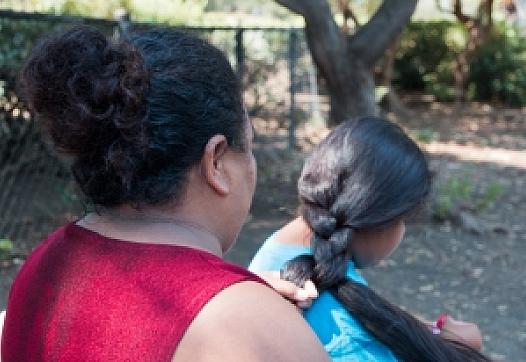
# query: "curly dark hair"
[[135, 113]]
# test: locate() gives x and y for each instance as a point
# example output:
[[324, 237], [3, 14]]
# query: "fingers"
[[284, 288], [311, 289], [302, 297]]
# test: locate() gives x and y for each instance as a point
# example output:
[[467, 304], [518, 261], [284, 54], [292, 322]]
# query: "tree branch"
[[457, 11], [297, 6], [373, 38], [352, 15], [347, 12], [485, 13], [326, 41]]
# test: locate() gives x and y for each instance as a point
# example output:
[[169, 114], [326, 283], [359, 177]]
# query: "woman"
[[356, 190], [160, 144]]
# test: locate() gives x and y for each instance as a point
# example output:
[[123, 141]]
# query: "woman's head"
[[134, 113], [137, 114], [366, 175]]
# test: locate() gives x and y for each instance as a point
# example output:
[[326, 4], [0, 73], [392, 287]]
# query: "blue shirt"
[[343, 336]]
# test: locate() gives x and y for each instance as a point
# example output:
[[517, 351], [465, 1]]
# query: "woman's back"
[[84, 296]]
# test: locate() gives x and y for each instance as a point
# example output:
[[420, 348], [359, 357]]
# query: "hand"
[[464, 332], [301, 297]]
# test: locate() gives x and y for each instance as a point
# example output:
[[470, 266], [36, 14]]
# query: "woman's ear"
[[213, 165]]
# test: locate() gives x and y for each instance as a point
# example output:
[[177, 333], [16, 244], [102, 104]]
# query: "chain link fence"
[[37, 191]]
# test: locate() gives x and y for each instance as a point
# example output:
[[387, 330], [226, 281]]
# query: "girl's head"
[[356, 188], [138, 114]]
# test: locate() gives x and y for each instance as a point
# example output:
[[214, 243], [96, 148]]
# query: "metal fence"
[[36, 188]]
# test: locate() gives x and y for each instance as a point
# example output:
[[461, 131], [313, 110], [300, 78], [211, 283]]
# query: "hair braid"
[[331, 257]]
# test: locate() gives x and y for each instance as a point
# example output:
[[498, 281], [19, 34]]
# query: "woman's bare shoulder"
[[249, 322]]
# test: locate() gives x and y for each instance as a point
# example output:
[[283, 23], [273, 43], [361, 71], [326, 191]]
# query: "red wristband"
[[441, 320], [438, 325]]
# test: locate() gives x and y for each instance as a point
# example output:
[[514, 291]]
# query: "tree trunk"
[[353, 96], [460, 74], [347, 61], [479, 28]]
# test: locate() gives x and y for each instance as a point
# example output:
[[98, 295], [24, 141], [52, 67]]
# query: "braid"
[[330, 248], [331, 257]]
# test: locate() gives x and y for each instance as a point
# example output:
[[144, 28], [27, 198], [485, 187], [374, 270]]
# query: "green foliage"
[[17, 37], [266, 72], [423, 49], [424, 63], [458, 192], [498, 72], [6, 246], [425, 56]]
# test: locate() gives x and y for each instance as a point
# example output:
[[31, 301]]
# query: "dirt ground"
[[470, 265]]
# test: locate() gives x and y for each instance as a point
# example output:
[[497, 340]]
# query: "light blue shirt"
[[343, 337]]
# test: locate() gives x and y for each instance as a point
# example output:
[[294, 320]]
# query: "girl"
[[355, 191]]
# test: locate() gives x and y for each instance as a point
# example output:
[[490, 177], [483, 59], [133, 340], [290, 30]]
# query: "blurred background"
[[451, 72]]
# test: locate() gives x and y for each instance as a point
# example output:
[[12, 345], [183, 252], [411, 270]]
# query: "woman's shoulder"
[[255, 324], [151, 257]]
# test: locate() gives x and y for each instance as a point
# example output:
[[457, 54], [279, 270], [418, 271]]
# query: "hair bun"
[[86, 89]]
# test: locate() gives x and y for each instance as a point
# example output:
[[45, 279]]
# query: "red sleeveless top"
[[84, 297]]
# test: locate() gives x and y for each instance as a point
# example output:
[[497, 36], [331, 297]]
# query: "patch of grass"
[[424, 135], [459, 192], [6, 246], [450, 195], [491, 194]]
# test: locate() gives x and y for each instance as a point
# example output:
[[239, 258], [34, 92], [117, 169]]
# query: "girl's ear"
[[213, 165]]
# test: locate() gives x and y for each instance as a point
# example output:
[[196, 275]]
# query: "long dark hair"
[[366, 174]]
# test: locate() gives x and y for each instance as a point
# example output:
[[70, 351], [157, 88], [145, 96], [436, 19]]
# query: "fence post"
[[293, 40], [123, 21], [240, 55]]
